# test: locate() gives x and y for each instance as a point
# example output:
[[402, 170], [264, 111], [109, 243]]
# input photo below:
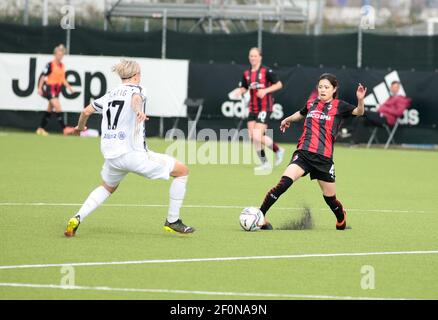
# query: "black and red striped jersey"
[[262, 78], [321, 125], [54, 73]]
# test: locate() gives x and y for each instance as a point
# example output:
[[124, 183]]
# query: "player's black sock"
[[60, 119], [45, 119], [262, 155], [275, 193], [336, 206]]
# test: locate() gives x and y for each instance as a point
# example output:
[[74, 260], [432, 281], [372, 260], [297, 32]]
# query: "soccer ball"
[[251, 219]]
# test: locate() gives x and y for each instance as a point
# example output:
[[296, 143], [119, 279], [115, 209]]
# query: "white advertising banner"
[[165, 82]]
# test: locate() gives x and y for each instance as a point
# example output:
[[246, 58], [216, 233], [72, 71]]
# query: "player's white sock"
[[94, 200], [177, 192]]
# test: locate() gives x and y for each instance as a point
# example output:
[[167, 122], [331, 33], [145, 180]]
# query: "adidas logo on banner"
[[381, 93]]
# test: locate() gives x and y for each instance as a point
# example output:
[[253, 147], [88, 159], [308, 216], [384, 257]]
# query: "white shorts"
[[148, 164]]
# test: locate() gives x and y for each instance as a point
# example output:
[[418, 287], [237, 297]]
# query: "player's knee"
[[180, 170], [184, 170], [109, 188], [257, 138]]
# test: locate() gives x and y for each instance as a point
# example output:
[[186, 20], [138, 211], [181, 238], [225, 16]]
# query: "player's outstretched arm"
[[83, 118], [285, 123], [360, 93]]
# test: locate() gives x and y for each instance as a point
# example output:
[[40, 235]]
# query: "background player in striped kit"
[[261, 82], [314, 154], [50, 84], [124, 149]]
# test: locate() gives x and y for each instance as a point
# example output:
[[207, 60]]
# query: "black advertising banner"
[[213, 82], [338, 50]]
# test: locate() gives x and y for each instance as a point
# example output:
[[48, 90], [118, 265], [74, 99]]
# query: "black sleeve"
[[48, 69], [243, 83], [345, 109], [271, 76], [304, 111]]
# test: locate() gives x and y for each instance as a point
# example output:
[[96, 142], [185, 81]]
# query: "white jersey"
[[121, 133]]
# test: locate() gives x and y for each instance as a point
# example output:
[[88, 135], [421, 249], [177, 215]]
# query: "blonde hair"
[[126, 69], [59, 47], [259, 51]]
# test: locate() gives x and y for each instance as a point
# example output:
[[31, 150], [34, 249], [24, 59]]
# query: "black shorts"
[[260, 117], [319, 167], [51, 91]]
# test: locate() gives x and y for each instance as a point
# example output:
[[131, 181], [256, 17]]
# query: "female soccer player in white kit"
[[125, 150]]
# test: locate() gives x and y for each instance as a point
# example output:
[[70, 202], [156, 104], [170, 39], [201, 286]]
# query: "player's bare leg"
[[258, 134], [292, 173], [329, 193], [258, 141], [94, 200], [279, 152], [269, 143], [250, 126], [177, 192]]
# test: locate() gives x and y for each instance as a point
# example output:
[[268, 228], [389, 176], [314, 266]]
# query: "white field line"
[[294, 256], [48, 204], [194, 292]]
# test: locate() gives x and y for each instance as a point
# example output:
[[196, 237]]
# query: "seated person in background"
[[387, 113]]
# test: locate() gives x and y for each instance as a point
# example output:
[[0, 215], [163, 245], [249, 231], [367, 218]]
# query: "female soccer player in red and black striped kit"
[[314, 154], [261, 82]]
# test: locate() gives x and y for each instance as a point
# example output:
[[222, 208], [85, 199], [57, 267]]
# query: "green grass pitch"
[[390, 195]]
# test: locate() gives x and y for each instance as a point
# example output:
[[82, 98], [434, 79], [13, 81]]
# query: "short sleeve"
[[271, 76], [345, 109], [139, 90], [99, 103], [304, 111], [47, 70], [243, 83]]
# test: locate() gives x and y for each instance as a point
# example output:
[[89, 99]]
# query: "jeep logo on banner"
[[23, 88], [165, 82]]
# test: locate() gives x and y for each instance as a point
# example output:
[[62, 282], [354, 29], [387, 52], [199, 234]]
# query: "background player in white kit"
[[125, 150]]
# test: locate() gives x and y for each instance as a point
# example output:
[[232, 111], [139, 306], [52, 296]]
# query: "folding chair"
[[390, 130], [193, 105], [239, 126]]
